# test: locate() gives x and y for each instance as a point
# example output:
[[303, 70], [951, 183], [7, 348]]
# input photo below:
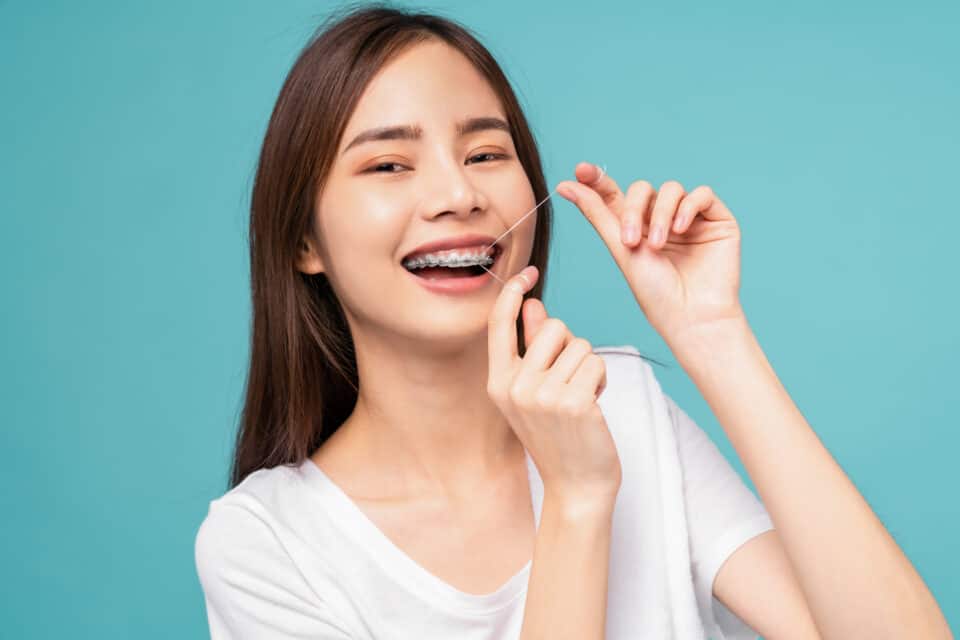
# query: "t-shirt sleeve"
[[252, 588], [722, 514]]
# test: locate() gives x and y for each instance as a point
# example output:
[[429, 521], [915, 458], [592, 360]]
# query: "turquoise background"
[[130, 133]]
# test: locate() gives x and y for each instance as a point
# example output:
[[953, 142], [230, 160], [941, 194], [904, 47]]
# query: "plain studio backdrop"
[[130, 133]]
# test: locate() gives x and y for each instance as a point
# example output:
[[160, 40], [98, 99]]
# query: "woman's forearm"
[[567, 591], [857, 581]]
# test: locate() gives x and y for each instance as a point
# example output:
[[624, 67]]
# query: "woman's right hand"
[[549, 397]]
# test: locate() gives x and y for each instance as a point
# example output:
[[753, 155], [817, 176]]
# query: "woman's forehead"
[[431, 84]]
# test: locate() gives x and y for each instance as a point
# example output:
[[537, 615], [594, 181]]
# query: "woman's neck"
[[427, 424]]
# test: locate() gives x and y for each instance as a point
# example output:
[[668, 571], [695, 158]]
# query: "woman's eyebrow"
[[415, 131]]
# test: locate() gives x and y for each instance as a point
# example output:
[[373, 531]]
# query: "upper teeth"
[[451, 259]]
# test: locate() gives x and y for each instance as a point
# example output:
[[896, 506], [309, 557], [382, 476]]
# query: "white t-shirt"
[[287, 554]]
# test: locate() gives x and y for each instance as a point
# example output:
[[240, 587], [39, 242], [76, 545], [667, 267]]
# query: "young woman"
[[424, 453]]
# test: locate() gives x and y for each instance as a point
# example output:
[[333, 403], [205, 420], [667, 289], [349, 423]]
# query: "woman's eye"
[[493, 155], [375, 168]]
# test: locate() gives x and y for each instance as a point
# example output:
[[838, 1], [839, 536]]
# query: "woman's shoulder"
[[257, 575], [248, 509], [266, 506], [273, 515], [261, 489]]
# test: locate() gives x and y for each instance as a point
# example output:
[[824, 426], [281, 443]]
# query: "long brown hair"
[[302, 381]]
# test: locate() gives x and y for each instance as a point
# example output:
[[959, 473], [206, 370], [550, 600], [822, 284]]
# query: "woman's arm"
[[856, 580], [567, 591]]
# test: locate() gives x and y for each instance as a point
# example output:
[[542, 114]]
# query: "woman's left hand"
[[685, 279]]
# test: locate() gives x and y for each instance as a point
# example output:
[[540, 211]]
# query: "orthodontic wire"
[[603, 172]]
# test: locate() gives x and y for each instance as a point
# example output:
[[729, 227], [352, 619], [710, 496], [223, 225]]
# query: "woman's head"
[[330, 225], [426, 155]]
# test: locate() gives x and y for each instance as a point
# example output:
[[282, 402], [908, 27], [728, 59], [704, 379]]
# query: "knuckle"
[[581, 344], [544, 398], [639, 193], [671, 184], [555, 324], [518, 395], [707, 191], [640, 187]]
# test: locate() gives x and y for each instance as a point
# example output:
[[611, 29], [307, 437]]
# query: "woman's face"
[[384, 198]]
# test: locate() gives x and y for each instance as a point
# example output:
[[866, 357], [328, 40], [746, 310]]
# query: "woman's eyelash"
[[498, 156], [374, 168]]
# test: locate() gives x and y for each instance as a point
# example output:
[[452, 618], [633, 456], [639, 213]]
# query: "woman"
[[424, 453]]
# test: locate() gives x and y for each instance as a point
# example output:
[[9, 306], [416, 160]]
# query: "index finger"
[[597, 179], [502, 323]]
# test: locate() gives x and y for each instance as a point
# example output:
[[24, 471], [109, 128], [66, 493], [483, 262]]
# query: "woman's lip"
[[454, 285]]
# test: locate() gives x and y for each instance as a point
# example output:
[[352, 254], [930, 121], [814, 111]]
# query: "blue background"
[[130, 135]]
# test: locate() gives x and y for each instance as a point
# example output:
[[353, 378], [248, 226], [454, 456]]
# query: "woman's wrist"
[[581, 506]]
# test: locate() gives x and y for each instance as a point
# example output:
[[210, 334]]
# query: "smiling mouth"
[[442, 272]]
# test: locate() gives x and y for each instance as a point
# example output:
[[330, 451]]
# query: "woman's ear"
[[308, 259]]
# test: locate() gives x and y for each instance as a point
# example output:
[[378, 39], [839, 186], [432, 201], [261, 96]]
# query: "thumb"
[[534, 313]]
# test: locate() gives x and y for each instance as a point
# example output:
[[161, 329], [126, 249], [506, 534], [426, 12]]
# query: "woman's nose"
[[450, 190]]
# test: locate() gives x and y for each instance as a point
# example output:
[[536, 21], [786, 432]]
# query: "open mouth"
[[449, 272]]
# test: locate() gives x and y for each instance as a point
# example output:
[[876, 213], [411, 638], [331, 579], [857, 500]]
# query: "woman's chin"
[[453, 330]]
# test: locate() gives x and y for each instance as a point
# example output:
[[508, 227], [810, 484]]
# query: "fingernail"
[[631, 233], [657, 234], [678, 223], [524, 275]]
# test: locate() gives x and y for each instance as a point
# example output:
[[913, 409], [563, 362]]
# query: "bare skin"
[[475, 542]]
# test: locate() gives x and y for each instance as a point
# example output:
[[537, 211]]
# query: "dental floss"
[[603, 172]]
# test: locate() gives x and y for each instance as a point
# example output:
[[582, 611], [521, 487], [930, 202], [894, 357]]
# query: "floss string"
[[603, 172]]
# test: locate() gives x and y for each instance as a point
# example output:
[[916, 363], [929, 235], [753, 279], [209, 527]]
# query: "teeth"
[[451, 259]]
